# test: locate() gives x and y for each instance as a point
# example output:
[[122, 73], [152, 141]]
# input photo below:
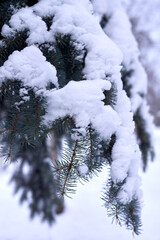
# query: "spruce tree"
[[61, 75]]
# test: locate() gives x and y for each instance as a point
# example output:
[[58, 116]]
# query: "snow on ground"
[[84, 218]]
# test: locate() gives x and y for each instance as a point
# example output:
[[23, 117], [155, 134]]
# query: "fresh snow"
[[119, 29], [84, 216], [148, 37], [83, 169], [31, 66], [81, 100]]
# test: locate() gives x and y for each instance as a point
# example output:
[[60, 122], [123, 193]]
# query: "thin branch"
[[117, 218], [5, 130], [13, 40], [59, 123], [59, 169], [70, 167], [131, 214], [9, 43], [21, 134]]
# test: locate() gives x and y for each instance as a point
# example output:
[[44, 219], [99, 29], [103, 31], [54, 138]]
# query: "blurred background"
[[145, 19]]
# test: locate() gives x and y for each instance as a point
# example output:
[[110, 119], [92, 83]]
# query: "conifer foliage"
[[61, 73]]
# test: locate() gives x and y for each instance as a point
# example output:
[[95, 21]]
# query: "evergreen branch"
[[21, 134], [7, 86], [132, 221], [59, 169], [9, 43], [117, 217], [70, 167], [58, 124], [5, 130], [80, 176], [122, 213], [16, 43]]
